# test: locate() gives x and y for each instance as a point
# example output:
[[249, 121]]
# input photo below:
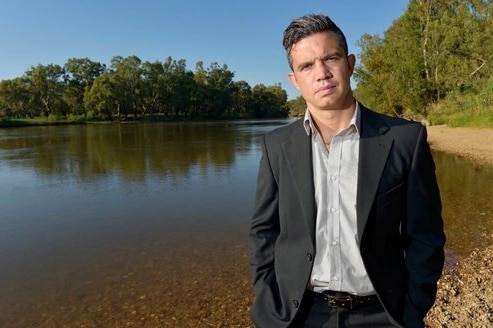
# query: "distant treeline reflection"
[[133, 151]]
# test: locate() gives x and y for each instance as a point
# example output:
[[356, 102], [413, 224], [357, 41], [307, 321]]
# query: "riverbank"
[[465, 293], [473, 143]]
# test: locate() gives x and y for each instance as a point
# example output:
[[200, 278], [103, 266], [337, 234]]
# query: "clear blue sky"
[[245, 35]]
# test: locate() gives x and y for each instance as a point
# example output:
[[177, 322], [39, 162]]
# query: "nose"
[[322, 70]]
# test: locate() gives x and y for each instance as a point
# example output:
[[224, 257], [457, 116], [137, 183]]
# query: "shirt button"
[[295, 303], [336, 278], [333, 178], [309, 257], [334, 243], [333, 210]]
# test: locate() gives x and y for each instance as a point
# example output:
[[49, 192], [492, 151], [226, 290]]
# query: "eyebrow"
[[336, 53]]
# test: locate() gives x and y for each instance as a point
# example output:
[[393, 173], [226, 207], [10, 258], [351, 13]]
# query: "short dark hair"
[[307, 25]]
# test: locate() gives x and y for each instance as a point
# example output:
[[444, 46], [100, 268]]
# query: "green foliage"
[[466, 118], [437, 52], [297, 107], [129, 88], [465, 109], [269, 101]]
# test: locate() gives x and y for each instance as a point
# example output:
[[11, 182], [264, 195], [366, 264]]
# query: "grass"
[[468, 118], [463, 110]]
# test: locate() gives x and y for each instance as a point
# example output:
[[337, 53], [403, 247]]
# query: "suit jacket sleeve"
[[423, 230], [264, 232], [281, 237]]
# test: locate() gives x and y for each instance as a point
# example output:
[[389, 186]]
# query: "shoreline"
[[465, 292], [475, 144]]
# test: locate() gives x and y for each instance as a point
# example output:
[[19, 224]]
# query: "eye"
[[305, 67], [331, 58]]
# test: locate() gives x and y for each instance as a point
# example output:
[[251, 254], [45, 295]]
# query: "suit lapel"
[[298, 152], [373, 154]]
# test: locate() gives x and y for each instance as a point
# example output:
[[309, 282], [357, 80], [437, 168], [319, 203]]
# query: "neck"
[[330, 122]]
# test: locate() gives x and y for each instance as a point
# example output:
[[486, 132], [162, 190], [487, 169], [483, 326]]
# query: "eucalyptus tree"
[[102, 98], [14, 98], [480, 42], [241, 98], [455, 45], [80, 74], [219, 81], [153, 88], [371, 74], [179, 82], [46, 87], [199, 95], [436, 48], [279, 98], [269, 101], [128, 85]]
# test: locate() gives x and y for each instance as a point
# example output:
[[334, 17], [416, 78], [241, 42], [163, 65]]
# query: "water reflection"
[[467, 203], [134, 151]]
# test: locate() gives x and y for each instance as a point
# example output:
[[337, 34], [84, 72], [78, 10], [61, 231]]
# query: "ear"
[[351, 60], [292, 79]]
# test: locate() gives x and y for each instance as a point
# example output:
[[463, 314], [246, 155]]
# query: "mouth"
[[326, 89]]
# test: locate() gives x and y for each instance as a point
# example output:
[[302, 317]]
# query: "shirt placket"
[[333, 187]]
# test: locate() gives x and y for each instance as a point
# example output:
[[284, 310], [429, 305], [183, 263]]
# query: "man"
[[347, 228]]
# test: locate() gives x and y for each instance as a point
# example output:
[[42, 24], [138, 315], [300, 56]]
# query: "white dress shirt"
[[338, 265]]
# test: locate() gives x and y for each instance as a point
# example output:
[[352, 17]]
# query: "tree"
[[14, 98], [102, 97], [219, 81], [437, 48], [45, 86], [153, 88], [269, 102], [128, 85], [80, 74], [241, 98], [297, 106], [179, 83]]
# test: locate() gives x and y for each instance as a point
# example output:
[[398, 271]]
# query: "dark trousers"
[[315, 313]]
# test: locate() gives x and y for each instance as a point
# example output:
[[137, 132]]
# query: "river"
[[95, 217]]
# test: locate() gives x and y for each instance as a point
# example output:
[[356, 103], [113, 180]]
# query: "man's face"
[[322, 71]]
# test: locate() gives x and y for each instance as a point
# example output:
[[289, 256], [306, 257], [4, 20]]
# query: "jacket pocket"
[[389, 196]]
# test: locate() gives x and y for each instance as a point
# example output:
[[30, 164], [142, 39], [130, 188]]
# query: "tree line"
[[132, 89], [436, 57]]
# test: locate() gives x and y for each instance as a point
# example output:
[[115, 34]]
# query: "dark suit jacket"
[[398, 212]]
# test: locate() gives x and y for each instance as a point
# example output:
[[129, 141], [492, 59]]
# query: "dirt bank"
[[473, 143], [465, 294]]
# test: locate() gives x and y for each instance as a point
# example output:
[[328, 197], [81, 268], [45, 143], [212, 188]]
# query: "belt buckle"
[[340, 301]]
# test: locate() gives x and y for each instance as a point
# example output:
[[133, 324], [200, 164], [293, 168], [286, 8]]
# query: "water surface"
[[108, 222]]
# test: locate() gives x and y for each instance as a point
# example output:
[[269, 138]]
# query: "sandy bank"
[[473, 143]]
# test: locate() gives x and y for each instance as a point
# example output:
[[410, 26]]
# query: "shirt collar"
[[310, 126]]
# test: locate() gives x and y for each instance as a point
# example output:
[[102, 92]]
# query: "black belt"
[[344, 300]]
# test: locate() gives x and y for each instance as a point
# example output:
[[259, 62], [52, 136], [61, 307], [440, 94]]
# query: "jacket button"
[[296, 304], [309, 257]]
